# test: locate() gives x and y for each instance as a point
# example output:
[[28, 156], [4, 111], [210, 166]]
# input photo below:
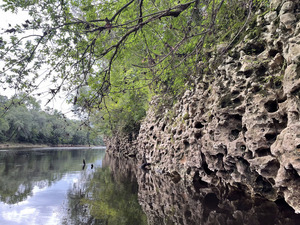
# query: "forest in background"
[[23, 121]]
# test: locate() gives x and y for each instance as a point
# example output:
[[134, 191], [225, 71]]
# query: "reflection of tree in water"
[[21, 171], [105, 199], [76, 212]]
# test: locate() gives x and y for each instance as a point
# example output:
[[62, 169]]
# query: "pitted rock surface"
[[240, 124]]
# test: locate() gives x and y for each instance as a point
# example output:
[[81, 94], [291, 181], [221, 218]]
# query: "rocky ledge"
[[240, 124]]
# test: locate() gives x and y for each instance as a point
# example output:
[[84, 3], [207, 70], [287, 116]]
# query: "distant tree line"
[[23, 121]]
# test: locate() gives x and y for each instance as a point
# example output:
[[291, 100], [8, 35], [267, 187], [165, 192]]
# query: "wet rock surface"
[[239, 125], [166, 200]]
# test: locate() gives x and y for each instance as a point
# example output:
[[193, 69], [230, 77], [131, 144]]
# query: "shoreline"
[[27, 145]]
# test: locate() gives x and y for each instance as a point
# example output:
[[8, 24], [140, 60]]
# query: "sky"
[[59, 102]]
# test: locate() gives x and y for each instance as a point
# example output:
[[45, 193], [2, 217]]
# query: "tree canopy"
[[113, 56]]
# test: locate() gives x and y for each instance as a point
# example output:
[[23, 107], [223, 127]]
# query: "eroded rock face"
[[240, 125], [243, 127], [166, 202]]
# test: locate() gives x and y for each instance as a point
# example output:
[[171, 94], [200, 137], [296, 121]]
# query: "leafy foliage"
[[112, 55], [26, 123]]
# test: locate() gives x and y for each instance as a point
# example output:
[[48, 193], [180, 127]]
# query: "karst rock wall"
[[240, 125]]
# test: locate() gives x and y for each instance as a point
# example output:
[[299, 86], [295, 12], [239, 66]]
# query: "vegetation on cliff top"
[[113, 56]]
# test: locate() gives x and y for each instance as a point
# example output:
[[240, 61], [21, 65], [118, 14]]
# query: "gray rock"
[[288, 20], [270, 17], [287, 7]]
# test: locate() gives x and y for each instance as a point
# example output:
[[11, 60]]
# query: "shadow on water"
[[167, 202]]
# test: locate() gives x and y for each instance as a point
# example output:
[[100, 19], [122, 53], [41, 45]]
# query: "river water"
[[51, 186]]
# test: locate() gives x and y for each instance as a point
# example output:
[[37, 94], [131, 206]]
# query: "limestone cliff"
[[240, 125]]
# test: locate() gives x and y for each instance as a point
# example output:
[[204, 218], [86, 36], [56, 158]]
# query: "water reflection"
[[167, 201], [111, 195], [34, 183], [51, 186]]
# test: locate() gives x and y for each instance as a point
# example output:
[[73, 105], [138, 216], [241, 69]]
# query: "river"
[[52, 186]]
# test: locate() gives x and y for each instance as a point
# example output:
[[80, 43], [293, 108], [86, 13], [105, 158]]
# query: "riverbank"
[[28, 145], [21, 145]]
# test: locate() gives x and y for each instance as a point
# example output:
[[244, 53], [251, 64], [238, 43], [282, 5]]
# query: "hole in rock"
[[212, 135], [254, 48], [211, 201], [180, 132], [240, 73], [235, 93], [163, 127], [298, 146], [181, 221], [154, 137], [248, 73], [272, 181], [152, 127], [281, 203], [220, 156], [279, 46], [271, 138], [273, 52], [244, 129], [279, 126], [205, 166], [271, 106], [236, 117], [278, 84], [199, 125], [256, 89], [236, 101], [188, 171], [261, 70], [292, 172], [225, 101], [263, 152], [235, 195], [198, 183], [262, 185], [186, 144], [187, 214], [234, 134], [198, 135], [175, 176]]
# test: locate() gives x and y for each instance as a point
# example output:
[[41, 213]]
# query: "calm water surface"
[[51, 186]]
